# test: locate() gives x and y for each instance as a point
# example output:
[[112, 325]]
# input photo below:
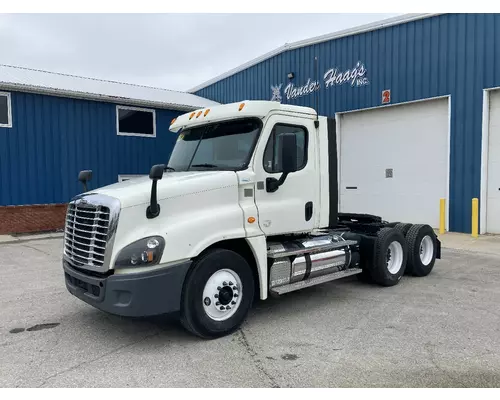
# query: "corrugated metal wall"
[[53, 138], [452, 54]]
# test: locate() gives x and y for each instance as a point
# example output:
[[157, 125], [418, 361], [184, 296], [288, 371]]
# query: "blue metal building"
[[54, 125], [403, 60]]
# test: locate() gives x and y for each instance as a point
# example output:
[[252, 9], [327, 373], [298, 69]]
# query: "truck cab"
[[245, 208]]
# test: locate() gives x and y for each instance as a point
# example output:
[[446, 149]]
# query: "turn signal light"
[[251, 220], [206, 112], [241, 106], [171, 123]]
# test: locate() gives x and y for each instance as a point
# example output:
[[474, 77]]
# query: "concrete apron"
[[486, 244]]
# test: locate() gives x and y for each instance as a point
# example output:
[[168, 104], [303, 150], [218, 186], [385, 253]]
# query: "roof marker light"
[[199, 113], [206, 112], [241, 106], [192, 114], [171, 123]]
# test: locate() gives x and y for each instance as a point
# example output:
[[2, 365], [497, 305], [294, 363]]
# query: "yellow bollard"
[[442, 215], [475, 214]]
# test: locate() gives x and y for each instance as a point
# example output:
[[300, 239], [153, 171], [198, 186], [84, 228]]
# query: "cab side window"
[[272, 156]]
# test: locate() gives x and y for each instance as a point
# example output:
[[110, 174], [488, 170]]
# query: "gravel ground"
[[438, 331]]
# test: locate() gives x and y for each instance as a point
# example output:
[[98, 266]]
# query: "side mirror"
[[84, 177], [287, 146], [288, 152], [155, 174]]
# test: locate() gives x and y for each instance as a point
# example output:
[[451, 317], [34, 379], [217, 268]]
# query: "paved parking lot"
[[442, 330]]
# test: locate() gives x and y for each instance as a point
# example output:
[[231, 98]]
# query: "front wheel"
[[218, 293]]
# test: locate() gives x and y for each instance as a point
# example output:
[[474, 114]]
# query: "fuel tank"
[[302, 259]]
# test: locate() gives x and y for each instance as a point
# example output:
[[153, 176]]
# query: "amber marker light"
[[251, 220]]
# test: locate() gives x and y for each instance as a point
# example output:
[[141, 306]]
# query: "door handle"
[[309, 210]]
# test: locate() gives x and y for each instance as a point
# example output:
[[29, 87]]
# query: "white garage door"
[[493, 188], [394, 161]]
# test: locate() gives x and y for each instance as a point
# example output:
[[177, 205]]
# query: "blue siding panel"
[[451, 54], [53, 138]]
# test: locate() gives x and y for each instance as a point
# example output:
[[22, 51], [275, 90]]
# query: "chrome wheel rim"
[[394, 257], [426, 250], [222, 295]]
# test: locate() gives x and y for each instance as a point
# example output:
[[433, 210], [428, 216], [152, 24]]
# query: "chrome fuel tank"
[[307, 258]]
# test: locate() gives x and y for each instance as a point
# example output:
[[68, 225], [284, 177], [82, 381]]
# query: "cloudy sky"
[[174, 51]]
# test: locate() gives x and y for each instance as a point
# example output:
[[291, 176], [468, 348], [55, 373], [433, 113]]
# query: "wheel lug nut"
[[224, 283], [216, 296], [222, 308], [233, 303], [230, 283], [228, 308], [235, 295], [235, 288], [217, 304], [219, 288]]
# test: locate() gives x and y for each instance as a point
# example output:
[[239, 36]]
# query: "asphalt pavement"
[[439, 331]]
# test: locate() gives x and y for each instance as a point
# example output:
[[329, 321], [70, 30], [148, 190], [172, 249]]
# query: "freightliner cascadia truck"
[[245, 208]]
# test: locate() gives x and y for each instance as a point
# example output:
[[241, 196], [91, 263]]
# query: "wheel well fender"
[[254, 251]]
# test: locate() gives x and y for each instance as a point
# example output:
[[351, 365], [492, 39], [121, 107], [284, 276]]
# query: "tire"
[[390, 257], [202, 282], [403, 228], [422, 250]]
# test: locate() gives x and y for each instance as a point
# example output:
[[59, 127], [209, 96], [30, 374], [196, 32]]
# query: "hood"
[[173, 184]]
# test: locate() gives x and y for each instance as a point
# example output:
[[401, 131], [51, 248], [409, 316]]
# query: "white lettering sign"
[[355, 77], [292, 91]]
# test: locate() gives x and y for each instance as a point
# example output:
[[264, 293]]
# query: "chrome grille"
[[90, 225]]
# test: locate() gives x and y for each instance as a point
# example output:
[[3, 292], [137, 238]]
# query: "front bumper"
[[132, 295]]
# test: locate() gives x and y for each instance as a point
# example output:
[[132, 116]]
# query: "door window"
[[272, 156]]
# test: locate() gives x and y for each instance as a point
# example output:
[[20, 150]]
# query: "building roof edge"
[[398, 20]]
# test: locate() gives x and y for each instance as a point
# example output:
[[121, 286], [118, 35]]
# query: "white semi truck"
[[245, 208]]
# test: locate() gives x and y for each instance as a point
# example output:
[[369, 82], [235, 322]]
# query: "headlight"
[[144, 252]]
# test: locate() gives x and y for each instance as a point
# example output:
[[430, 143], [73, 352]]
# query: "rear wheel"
[[390, 257], [403, 228], [422, 250], [218, 293]]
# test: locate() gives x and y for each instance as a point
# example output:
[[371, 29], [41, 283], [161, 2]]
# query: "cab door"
[[294, 206]]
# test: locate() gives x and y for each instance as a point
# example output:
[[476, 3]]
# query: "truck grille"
[[86, 234]]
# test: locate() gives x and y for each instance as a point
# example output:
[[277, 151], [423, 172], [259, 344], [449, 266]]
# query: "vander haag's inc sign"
[[355, 77]]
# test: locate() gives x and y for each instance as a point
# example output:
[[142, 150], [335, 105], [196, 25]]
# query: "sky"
[[172, 51]]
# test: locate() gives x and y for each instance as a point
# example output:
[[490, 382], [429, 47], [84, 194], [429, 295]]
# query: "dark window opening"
[[4, 110], [136, 122], [272, 156]]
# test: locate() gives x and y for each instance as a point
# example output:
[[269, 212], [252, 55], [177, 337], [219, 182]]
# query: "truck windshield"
[[222, 146]]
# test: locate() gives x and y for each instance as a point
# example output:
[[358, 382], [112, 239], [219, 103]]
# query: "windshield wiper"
[[167, 168], [205, 165]]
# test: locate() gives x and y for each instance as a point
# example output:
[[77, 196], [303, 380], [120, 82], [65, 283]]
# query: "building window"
[[5, 110], [272, 157], [133, 121]]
